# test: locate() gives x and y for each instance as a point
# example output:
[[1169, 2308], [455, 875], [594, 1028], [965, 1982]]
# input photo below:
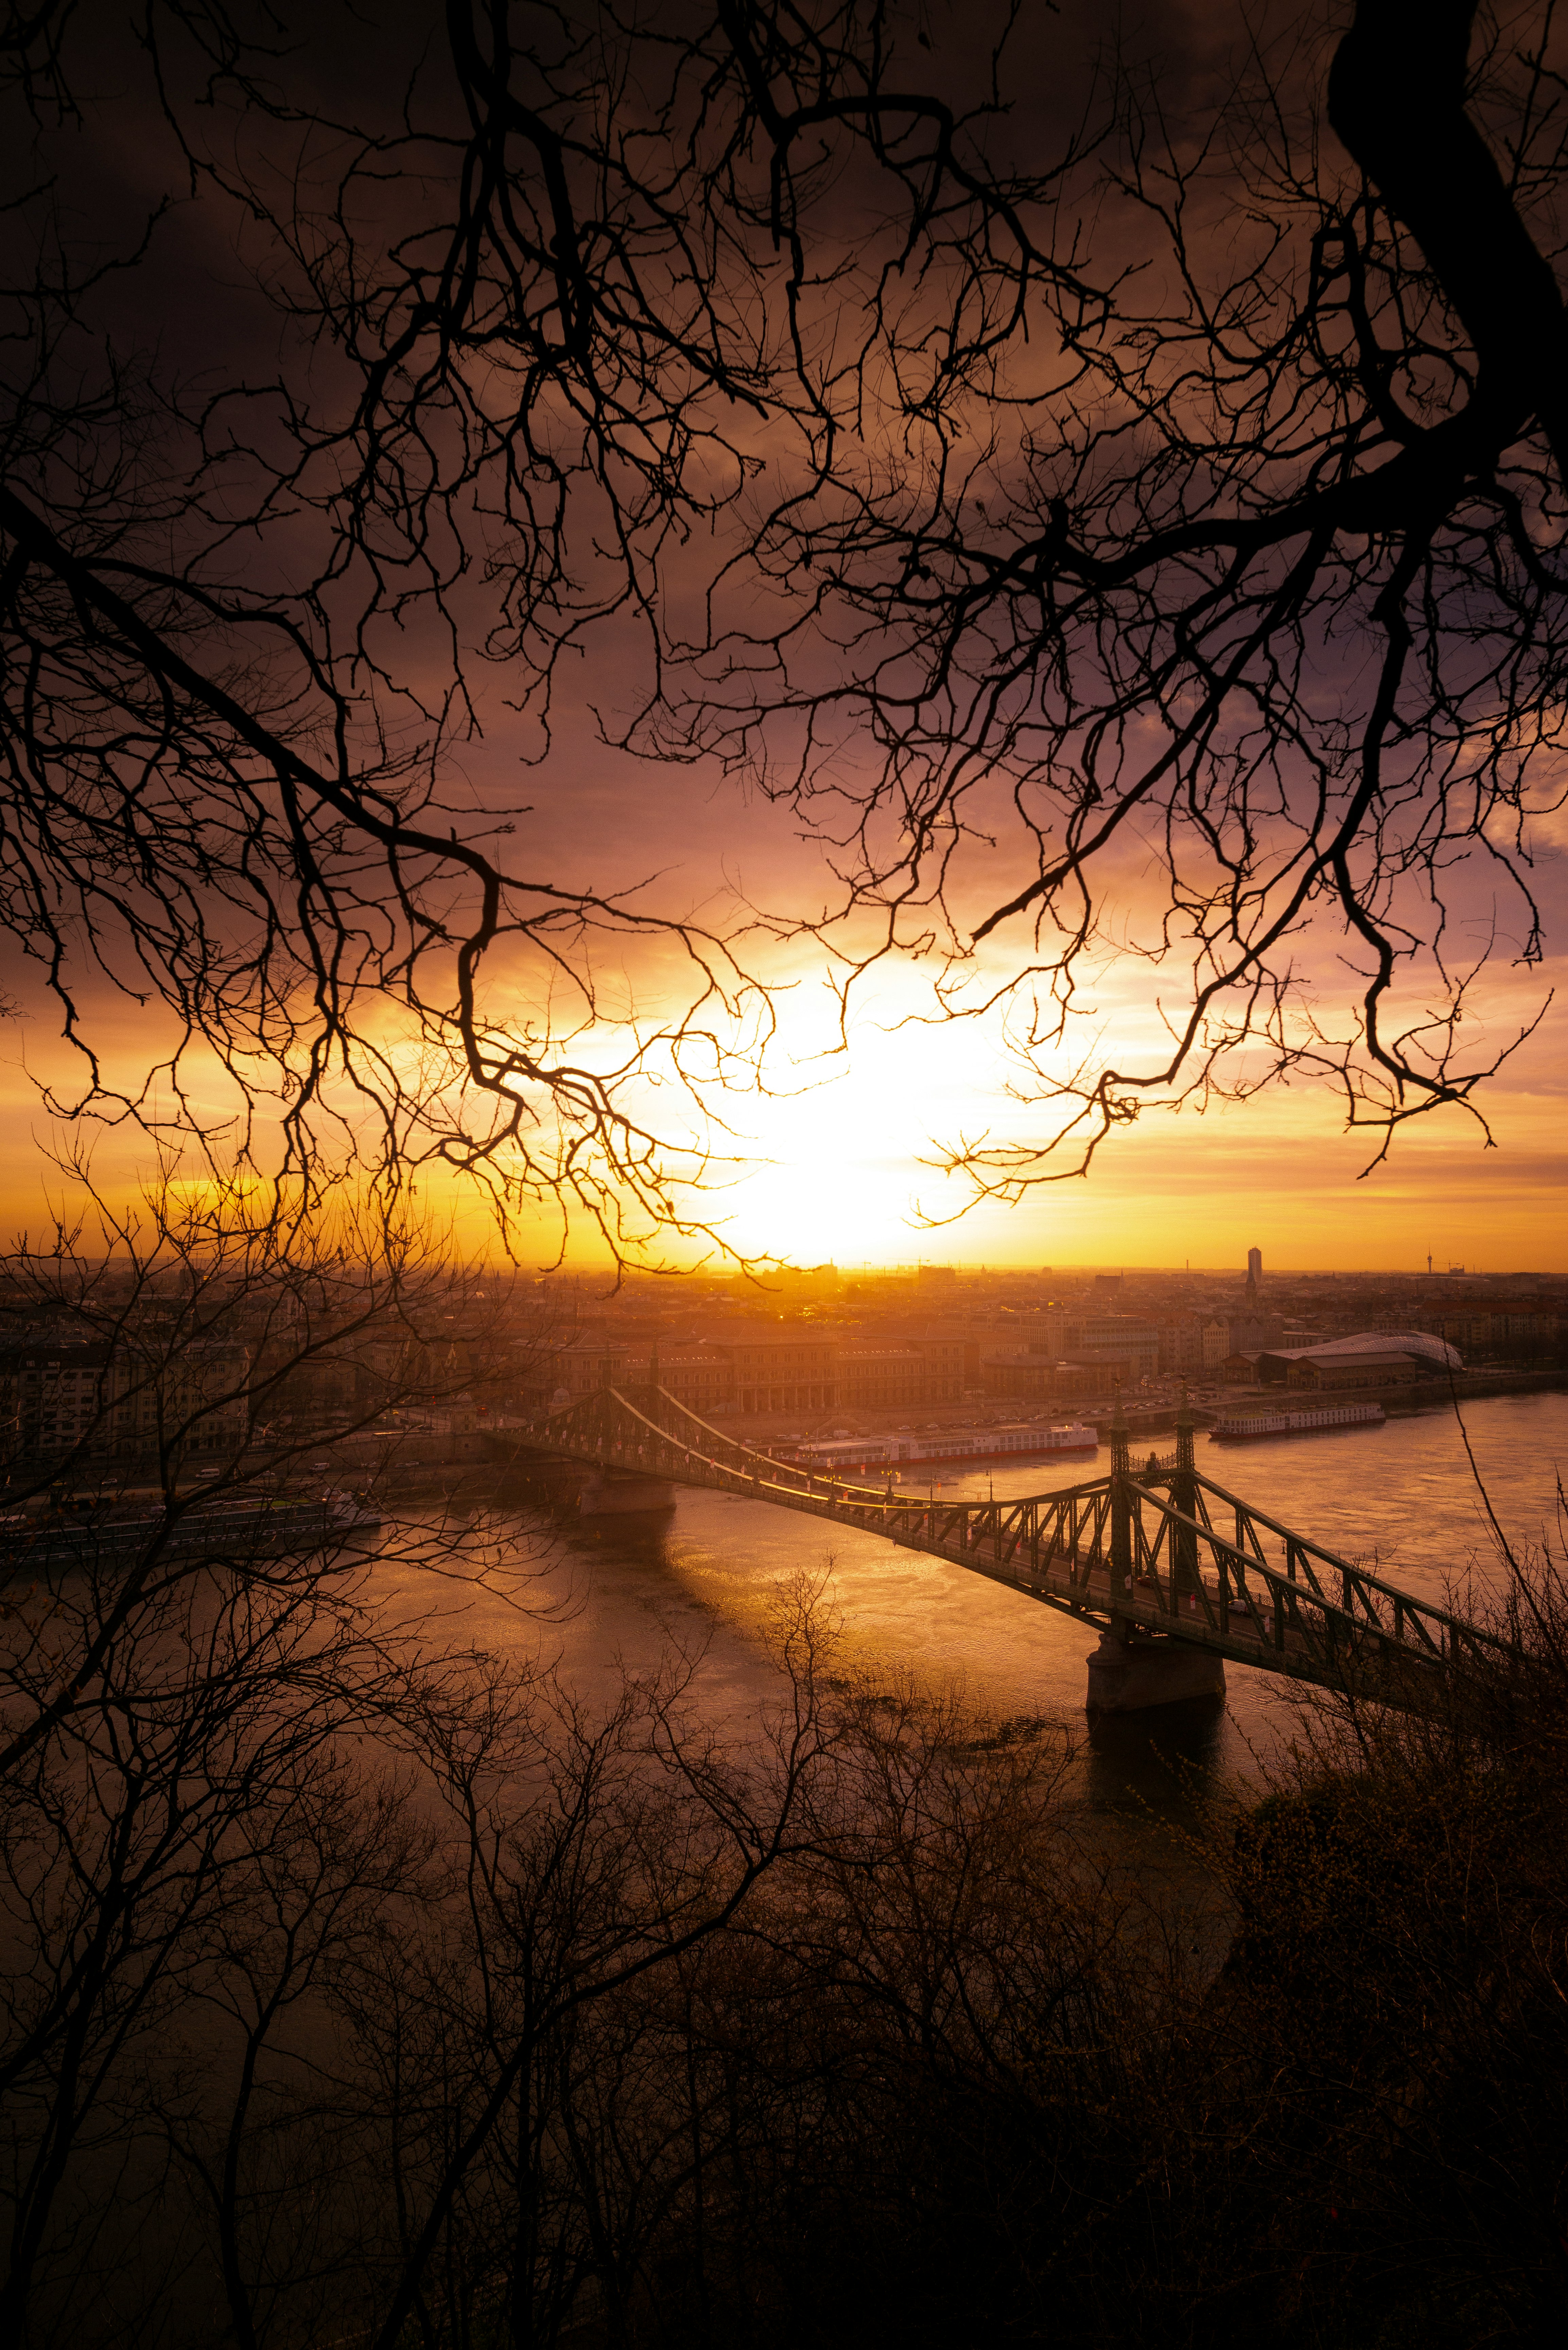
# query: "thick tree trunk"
[[1396, 99]]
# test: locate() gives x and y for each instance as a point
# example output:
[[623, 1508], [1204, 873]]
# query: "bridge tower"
[[1121, 1510], [612, 1492], [1134, 1670], [1184, 1494]]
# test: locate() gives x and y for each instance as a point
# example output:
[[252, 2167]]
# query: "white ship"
[[1022, 1438], [1295, 1420]]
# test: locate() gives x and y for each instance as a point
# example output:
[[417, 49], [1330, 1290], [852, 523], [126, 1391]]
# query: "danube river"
[[602, 1592]]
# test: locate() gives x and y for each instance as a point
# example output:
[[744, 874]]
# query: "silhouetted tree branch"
[[534, 313], [1223, 617]]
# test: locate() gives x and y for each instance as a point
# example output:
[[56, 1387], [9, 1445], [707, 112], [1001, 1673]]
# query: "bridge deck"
[[1172, 1557]]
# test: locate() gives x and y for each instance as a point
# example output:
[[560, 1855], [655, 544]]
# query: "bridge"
[[1179, 1574]]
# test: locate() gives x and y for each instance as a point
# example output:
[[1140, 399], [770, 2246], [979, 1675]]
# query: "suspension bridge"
[[1179, 1574]]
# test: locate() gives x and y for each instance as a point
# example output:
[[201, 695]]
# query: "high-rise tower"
[[1255, 1266]]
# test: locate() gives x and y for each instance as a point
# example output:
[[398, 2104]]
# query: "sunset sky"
[[832, 1158], [826, 1147]]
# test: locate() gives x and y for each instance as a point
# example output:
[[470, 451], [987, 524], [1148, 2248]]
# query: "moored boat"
[[1029, 1439], [1295, 1420]]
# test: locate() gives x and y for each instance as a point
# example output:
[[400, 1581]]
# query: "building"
[[1126, 1344], [126, 1397], [767, 1368], [1046, 1379], [1248, 1333], [1090, 1334], [700, 1377], [54, 1397], [325, 1386], [882, 1378], [1324, 1372], [1073, 1355], [783, 1370], [945, 1355], [1369, 1358], [577, 1370], [199, 1397], [1505, 1326], [1181, 1345], [1215, 1343], [796, 1369]]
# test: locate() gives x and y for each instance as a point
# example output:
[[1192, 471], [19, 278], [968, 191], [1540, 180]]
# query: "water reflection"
[[1162, 1765], [630, 1534]]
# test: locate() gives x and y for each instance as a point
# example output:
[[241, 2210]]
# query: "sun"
[[837, 1171]]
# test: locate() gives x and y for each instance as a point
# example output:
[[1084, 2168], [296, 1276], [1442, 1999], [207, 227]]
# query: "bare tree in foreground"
[[1216, 623], [520, 308], [261, 1796]]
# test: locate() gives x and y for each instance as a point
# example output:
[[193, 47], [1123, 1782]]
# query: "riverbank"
[[1147, 1416], [487, 1478], [1425, 1395]]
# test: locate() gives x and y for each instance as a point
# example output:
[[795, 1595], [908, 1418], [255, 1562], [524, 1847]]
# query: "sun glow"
[[839, 1172]]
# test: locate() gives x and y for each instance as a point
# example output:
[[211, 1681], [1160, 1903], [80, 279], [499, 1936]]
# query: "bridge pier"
[[1130, 1675], [622, 1492]]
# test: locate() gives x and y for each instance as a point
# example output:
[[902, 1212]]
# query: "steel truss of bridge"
[[1161, 1554]]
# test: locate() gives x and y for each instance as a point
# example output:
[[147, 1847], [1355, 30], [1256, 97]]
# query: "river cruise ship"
[[232, 1530], [1295, 1420], [1030, 1438]]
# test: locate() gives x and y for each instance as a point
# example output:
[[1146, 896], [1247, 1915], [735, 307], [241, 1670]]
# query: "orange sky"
[[826, 1160], [828, 1164]]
